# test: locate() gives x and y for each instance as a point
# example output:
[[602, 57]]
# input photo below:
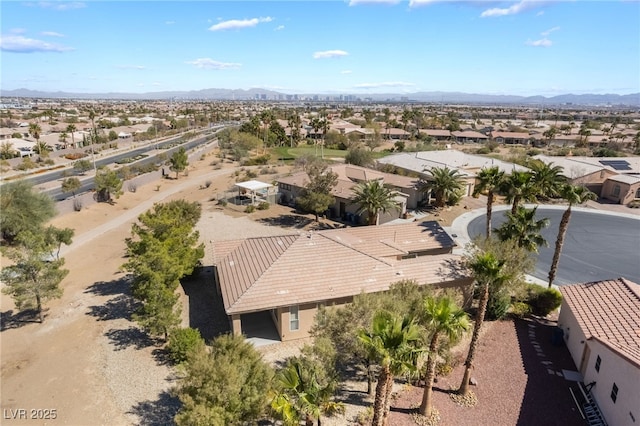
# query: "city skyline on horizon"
[[360, 47]]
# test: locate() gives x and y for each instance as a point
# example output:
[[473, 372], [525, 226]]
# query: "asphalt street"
[[597, 246]]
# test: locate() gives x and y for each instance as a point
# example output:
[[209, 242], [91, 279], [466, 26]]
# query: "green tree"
[[22, 208], [524, 229], [71, 128], [71, 184], [107, 184], [55, 237], [546, 179], [445, 183], [395, 341], [518, 187], [82, 166], [33, 278], [487, 270], [179, 161], [295, 123], [227, 386], [316, 196], [164, 249], [359, 156], [303, 392], [490, 181], [573, 195], [112, 135], [443, 318], [7, 151], [373, 198]]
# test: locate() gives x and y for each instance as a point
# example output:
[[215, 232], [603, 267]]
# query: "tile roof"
[[265, 273], [608, 311]]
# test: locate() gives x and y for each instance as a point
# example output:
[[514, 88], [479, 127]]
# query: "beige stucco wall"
[[573, 335], [306, 317], [626, 376], [627, 192]]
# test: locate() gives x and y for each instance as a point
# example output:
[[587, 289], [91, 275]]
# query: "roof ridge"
[[266, 269], [357, 250], [630, 285]]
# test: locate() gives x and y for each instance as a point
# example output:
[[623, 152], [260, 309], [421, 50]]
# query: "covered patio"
[[254, 191]]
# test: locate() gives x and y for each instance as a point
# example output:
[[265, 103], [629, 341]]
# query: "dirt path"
[[88, 361]]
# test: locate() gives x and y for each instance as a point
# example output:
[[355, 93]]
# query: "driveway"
[[599, 245]]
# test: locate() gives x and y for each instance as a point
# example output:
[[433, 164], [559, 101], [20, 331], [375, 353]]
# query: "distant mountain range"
[[632, 100]]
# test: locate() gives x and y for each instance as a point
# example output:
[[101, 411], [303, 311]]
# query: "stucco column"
[[236, 324]]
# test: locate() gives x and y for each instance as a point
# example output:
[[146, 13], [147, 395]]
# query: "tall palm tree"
[[444, 318], [71, 128], [445, 184], [547, 179], [518, 187], [373, 198], [489, 180], [487, 270], [395, 341], [573, 195], [524, 228]]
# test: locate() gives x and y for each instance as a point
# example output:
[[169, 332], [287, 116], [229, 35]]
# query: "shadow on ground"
[[206, 309], [9, 320], [157, 413]]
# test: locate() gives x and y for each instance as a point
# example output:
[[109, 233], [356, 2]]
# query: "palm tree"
[[546, 179], [446, 183], [71, 128], [373, 198], [573, 195], [518, 187], [443, 317], [524, 228], [395, 341], [487, 270], [489, 181]]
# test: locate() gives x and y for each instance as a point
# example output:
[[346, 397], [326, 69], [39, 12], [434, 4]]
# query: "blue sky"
[[523, 47]]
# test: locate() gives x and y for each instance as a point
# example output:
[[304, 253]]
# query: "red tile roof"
[[265, 273], [608, 311]]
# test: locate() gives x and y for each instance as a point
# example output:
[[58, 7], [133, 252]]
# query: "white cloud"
[[235, 24], [20, 44], [549, 31], [279, 28], [416, 3], [346, 72], [210, 64], [131, 67], [543, 42], [357, 2], [514, 9], [51, 34], [329, 54], [58, 5], [384, 84], [169, 22]]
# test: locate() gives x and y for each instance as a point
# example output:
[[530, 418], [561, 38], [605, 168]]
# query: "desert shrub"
[[27, 164], [182, 342], [264, 171], [364, 417], [635, 204], [520, 309], [132, 187], [497, 305], [260, 160], [222, 202], [250, 174], [542, 300], [49, 162], [77, 205], [483, 151], [250, 208], [263, 206], [207, 184]]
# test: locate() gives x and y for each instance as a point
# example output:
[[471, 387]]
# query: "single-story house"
[[437, 134], [468, 165], [395, 134], [469, 136], [621, 188], [407, 193], [601, 325], [290, 276], [511, 138]]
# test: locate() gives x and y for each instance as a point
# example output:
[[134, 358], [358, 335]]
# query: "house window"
[[638, 193], [616, 191], [294, 318], [614, 393], [598, 361]]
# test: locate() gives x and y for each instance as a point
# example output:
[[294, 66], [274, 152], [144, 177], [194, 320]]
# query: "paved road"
[[597, 246]]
